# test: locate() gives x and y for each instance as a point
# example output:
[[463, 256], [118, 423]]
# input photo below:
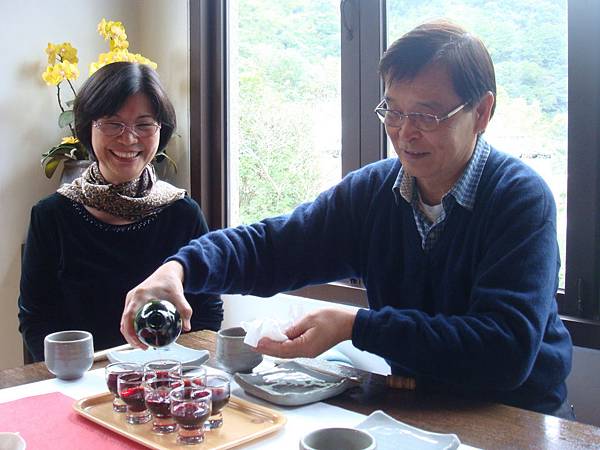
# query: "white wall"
[[29, 111]]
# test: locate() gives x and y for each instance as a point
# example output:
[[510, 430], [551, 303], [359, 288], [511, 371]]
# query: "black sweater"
[[77, 270]]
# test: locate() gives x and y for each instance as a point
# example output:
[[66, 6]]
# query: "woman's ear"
[[483, 112]]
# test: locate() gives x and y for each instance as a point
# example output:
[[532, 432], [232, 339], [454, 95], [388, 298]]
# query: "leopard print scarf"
[[133, 200]]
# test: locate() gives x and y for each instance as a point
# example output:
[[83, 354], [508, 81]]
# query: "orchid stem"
[[72, 88], [61, 106], [58, 97]]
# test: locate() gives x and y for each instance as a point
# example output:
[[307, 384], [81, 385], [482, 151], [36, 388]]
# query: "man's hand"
[[312, 335], [166, 283]]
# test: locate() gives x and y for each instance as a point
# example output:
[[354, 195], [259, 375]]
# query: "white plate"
[[185, 355], [392, 434], [292, 384]]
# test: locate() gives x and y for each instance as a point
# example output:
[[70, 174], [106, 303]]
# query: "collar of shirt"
[[463, 191]]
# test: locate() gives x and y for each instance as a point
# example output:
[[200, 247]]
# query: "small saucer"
[[185, 355], [392, 434]]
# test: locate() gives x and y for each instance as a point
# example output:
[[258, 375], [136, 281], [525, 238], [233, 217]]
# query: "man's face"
[[436, 158]]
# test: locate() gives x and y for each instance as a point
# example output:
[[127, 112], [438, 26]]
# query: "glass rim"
[[175, 391], [218, 377], [122, 364], [163, 361]]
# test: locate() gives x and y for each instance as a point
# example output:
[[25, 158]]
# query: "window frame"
[[363, 138]]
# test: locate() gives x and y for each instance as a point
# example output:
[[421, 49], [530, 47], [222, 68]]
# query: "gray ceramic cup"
[[69, 354], [233, 355], [337, 438]]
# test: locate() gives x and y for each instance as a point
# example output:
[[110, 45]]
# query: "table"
[[479, 424]]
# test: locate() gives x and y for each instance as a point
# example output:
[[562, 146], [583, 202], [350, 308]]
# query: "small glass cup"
[[220, 389], [190, 406], [193, 375], [131, 391], [111, 372], [162, 368], [157, 396]]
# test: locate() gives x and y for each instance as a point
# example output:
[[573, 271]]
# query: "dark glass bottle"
[[157, 323]]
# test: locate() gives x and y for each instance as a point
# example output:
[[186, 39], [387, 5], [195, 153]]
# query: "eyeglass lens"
[[113, 129], [395, 119]]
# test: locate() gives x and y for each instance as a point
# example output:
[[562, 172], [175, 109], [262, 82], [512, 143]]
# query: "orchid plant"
[[62, 70]]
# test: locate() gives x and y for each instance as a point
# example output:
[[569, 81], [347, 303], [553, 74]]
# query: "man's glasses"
[[114, 129], [421, 121]]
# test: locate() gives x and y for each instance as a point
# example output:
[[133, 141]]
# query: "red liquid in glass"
[[220, 398], [191, 416], [158, 403], [111, 382], [134, 398]]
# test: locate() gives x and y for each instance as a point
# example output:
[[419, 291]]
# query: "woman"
[[98, 237]]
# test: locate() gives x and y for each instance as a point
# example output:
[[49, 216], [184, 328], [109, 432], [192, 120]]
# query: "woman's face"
[[123, 158]]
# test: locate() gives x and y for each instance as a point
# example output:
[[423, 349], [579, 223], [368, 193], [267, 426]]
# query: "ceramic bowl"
[[337, 438]]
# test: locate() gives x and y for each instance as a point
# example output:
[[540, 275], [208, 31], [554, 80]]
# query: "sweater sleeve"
[[314, 244], [39, 291], [496, 342], [208, 308]]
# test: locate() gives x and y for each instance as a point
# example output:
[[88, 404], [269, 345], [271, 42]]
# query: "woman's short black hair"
[[442, 42], [105, 92]]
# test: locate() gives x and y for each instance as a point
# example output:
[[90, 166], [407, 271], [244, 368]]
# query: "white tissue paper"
[[271, 328]]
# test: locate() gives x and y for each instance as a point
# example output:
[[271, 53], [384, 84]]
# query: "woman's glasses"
[[115, 129]]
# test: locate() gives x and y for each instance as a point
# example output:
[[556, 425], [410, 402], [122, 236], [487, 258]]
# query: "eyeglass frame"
[[404, 116], [98, 123]]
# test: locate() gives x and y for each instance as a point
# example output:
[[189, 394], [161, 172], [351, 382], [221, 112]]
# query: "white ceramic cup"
[[69, 354], [338, 438], [233, 355]]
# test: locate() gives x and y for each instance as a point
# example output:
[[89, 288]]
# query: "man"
[[455, 242]]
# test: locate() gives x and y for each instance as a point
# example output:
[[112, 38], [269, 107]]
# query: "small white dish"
[[292, 384], [185, 355], [392, 434], [12, 441]]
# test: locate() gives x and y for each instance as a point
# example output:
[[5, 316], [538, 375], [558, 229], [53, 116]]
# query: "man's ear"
[[483, 111]]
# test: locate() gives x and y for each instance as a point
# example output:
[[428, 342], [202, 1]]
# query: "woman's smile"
[[126, 155]]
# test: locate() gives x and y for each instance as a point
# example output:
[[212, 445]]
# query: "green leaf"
[[66, 118], [50, 168], [62, 149]]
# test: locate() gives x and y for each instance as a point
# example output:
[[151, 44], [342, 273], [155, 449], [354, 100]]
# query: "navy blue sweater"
[[77, 270], [476, 315]]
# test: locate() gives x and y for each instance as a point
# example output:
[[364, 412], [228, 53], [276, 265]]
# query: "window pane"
[[527, 40], [284, 105]]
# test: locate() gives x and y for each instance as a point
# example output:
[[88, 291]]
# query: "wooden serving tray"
[[243, 422]]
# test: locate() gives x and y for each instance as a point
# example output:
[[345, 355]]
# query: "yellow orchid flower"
[[68, 53], [62, 66], [51, 52], [61, 52], [120, 55], [101, 26], [69, 140], [60, 71]]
